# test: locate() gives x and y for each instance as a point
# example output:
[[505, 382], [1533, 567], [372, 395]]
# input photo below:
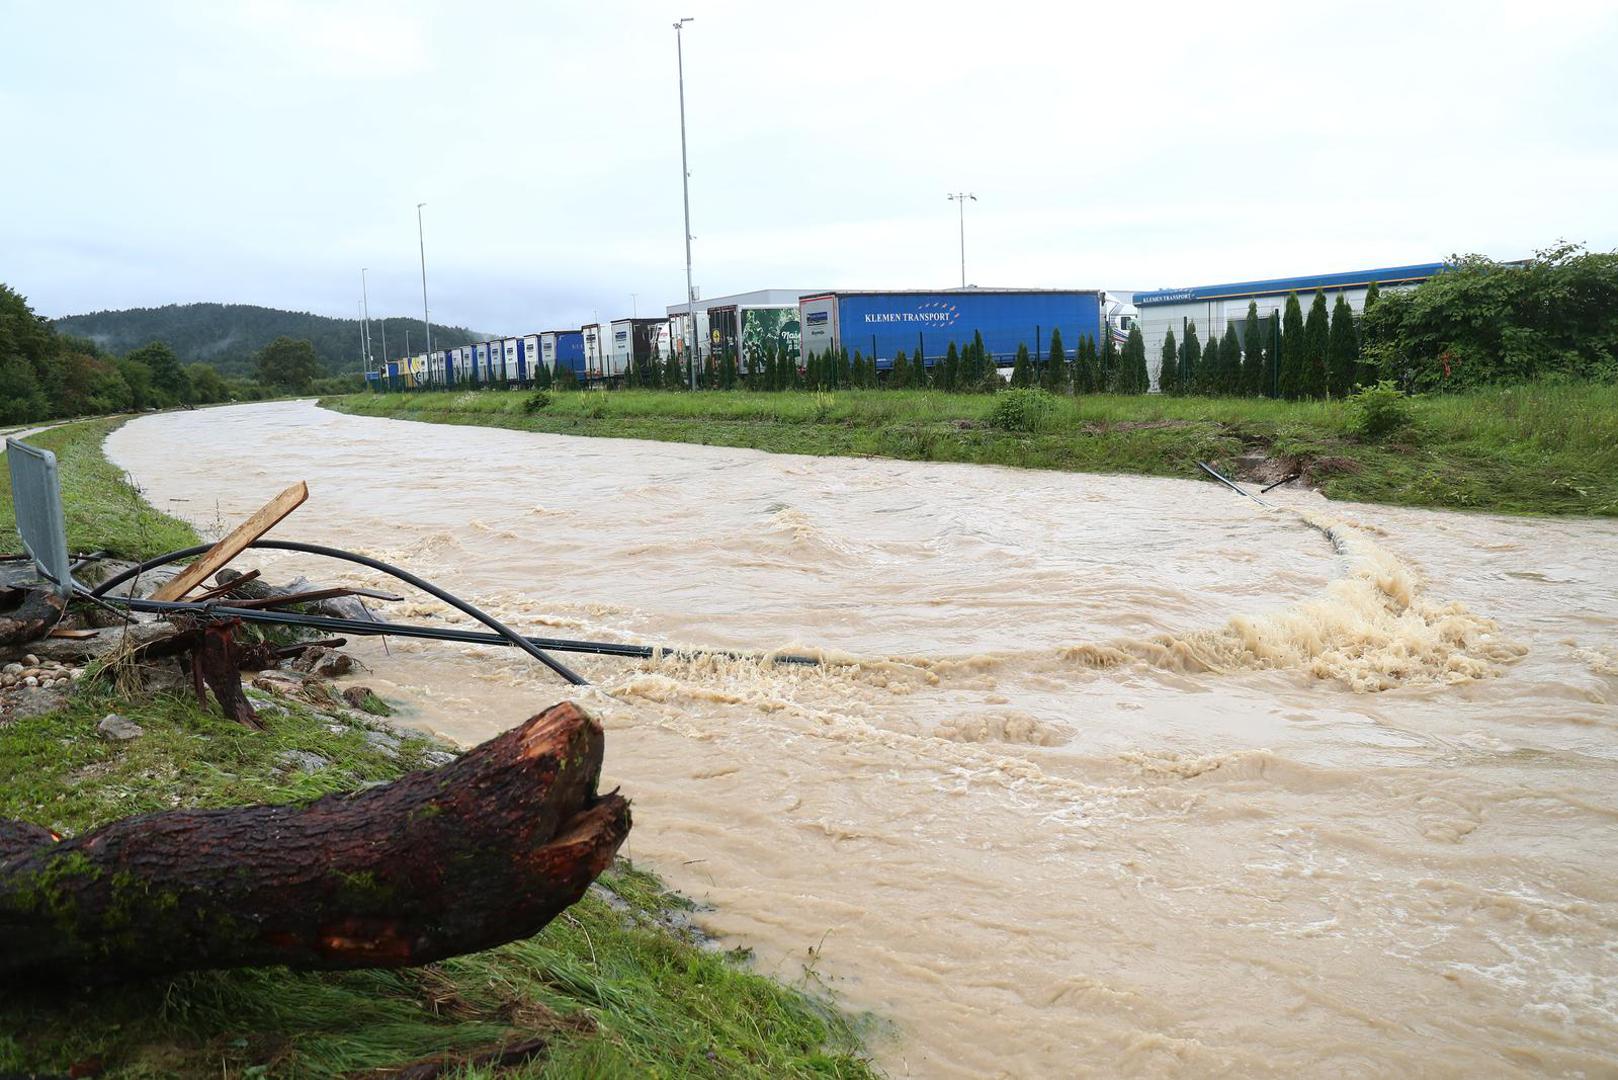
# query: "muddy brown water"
[[1123, 776]]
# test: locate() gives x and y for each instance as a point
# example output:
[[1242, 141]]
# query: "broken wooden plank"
[[228, 587], [262, 521]]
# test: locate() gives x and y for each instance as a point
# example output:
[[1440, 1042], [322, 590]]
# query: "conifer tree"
[[1190, 361], [542, 376], [1133, 363], [918, 367], [1022, 373], [951, 368], [1253, 353], [1372, 292], [1316, 342], [1207, 370], [1272, 354], [980, 360], [1230, 362], [845, 370], [1367, 374], [1343, 351], [1107, 377], [1056, 372], [1291, 349], [899, 376], [565, 378], [1084, 366], [1168, 368]]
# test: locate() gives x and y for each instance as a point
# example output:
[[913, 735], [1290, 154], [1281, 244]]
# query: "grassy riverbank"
[[1534, 449], [104, 512], [617, 985]]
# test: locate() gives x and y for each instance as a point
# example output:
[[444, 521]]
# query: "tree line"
[[46, 375], [230, 336]]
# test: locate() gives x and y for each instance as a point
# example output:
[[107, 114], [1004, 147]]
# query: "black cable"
[[403, 575], [379, 628], [363, 627]]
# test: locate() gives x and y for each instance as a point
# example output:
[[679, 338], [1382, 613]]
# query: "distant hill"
[[227, 335]]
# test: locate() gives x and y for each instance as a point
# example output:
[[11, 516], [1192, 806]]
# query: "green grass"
[[616, 984], [616, 989], [1543, 448], [103, 510]]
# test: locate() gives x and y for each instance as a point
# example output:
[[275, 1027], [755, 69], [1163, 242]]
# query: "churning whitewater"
[[1111, 775]]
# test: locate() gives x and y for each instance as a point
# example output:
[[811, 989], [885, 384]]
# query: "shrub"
[[539, 399], [1378, 411], [1023, 408]]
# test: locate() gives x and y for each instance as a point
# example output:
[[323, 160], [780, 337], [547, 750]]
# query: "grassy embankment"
[[614, 986], [1541, 448]]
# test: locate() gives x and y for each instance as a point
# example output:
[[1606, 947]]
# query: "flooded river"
[[1125, 776]]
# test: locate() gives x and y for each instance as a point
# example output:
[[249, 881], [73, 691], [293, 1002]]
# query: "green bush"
[[1023, 408], [539, 399], [1378, 411]]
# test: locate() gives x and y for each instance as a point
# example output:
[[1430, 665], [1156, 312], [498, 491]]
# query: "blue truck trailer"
[[563, 348], [880, 324]]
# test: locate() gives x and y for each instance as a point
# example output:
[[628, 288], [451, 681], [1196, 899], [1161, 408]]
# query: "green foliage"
[[167, 377], [1027, 409], [1208, 369], [1109, 362], [1379, 411], [1291, 375], [1312, 357], [1254, 355], [1480, 322], [565, 378], [1022, 368], [1136, 379], [1168, 366], [206, 386], [100, 507], [1190, 360], [535, 401], [952, 368], [227, 336], [287, 365], [1230, 362], [1343, 351], [1086, 377], [1056, 375]]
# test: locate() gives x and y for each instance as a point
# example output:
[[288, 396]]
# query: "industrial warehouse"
[[796, 324]]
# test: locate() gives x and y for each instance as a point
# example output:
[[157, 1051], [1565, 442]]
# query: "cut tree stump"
[[484, 850]]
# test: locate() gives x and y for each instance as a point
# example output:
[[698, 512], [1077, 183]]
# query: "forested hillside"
[[226, 336]]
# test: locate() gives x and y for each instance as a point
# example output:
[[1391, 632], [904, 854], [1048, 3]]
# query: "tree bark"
[[484, 850]]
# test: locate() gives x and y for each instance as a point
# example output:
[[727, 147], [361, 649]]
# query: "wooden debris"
[[28, 614], [487, 849], [263, 520], [226, 588]]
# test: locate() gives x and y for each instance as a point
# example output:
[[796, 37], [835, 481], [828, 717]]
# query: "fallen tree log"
[[484, 850]]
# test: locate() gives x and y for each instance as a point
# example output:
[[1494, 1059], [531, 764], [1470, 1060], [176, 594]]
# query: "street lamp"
[[422, 244], [685, 185], [959, 199], [365, 313]]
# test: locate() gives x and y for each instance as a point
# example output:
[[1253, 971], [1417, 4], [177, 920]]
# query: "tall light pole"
[[959, 199], [685, 185], [422, 243], [365, 315]]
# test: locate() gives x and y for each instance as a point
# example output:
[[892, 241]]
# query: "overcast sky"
[[264, 152]]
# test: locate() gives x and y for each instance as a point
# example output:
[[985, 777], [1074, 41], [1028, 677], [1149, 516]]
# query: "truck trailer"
[[881, 324], [634, 343], [564, 348]]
